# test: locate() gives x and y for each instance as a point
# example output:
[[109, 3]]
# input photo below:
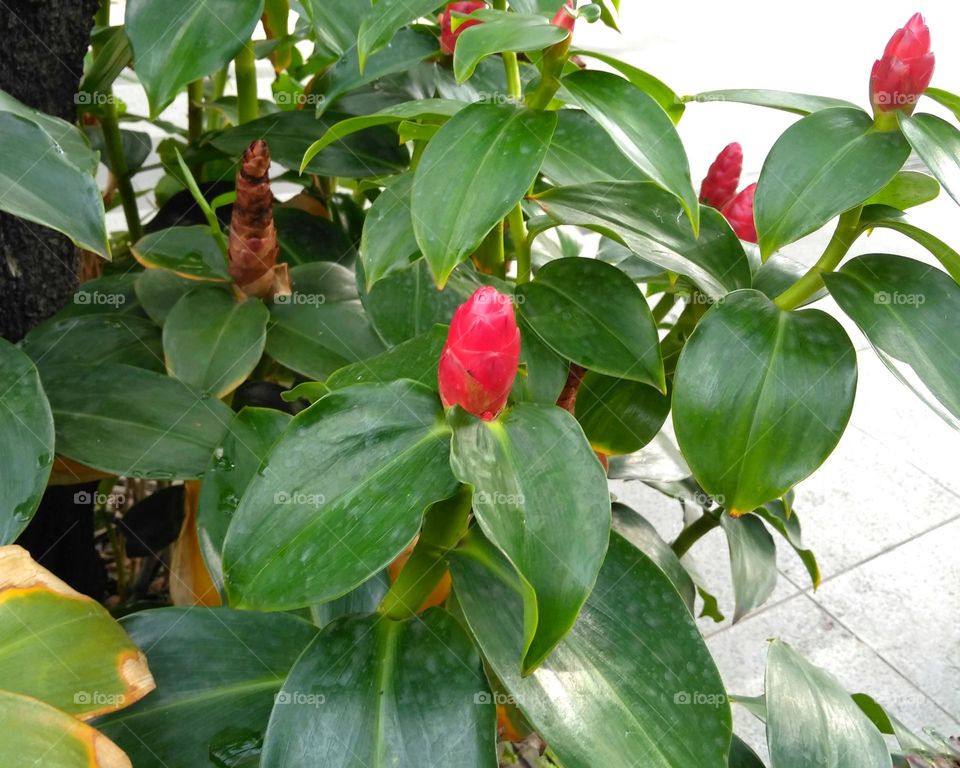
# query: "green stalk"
[[848, 228], [218, 81], [521, 244], [245, 69], [195, 110], [490, 255], [444, 525], [693, 533]]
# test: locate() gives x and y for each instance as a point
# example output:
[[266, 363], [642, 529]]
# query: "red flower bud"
[[720, 184], [563, 18], [479, 361], [904, 72], [739, 213], [448, 37]]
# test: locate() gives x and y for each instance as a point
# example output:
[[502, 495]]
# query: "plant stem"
[[693, 533], [521, 243], [113, 142], [195, 110], [444, 525], [848, 228], [218, 81], [245, 69], [489, 257]]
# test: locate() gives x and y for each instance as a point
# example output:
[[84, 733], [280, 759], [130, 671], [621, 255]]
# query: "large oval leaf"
[[26, 441], [649, 221], [95, 340], [62, 647], [761, 397], [812, 722], [217, 673], [938, 144], [376, 458], [821, 166], [527, 501], [619, 415], [416, 360], [907, 310], [503, 32], [581, 152], [178, 41], [632, 683], [640, 128], [388, 242], [382, 22], [591, 313], [190, 252], [473, 172], [213, 343], [129, 421], [372, 691], [753, 562]]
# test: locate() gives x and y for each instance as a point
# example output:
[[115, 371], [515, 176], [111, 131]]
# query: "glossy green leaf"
[[527, 501], [232, 466], [907, 189], [372, 691], [26, 441], [383, 21], [950, 100], [337, 22], [649, 221], [95, 340], [114, 295], [41, 183], [753, 562], [113, 57], [304, 238], [890, 218], [72, 140], [591, 313], [631, 685], [217, 673], [821, 166], [581, 151], [798, 103], [158, 290], [906, 309], [34, 733], [654, 88], [321, 326], [364, 599], [190, 252], [741, 756], [619, 415], [506, 32], [377, 456], [761, 397], [178, 41], [168, 429], [460, 193], [374, 152], [389, 242], [788, 526], [812, 722], [640, 128], [542, 374], [416, 359], [938, 144], [62, 647], [213, 343], [135, 146]]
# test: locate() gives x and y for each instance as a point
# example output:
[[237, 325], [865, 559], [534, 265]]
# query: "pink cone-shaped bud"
[[905, 70], [565, 19], [739, 213], [479, 361], [448, 36], [720, 184]]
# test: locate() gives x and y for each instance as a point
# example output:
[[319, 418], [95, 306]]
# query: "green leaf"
[[515, 32], [34, 733], [615, 333], [168, 429], [581, 151], [95, 340], [938, 144], [158, 290], [337, 22], [461, 190], [798, 103], [371, 691], [375, 152], [659, 91], [178, 41], [377, 456], [41, 183], [542, 373], [114, 56], [190, 252], [906, 309], [416, 359], [389, 242], [640, 128], [113, 295], [761, 397], [217, 673], [619, 415], [741, 756], [26, 441], [821, 166], [363, 599], [950, 100], [906, 190], [321, 326], [304, 238], [811, 721], [527, 500], [233, 464], [788, 526], [890, 218], [753, 562], [135, 145], [649, 222], [383, 21], [62, 647], [213, 343], [619, 690]]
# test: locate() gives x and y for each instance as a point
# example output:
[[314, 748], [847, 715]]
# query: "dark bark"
[[41, 62]]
